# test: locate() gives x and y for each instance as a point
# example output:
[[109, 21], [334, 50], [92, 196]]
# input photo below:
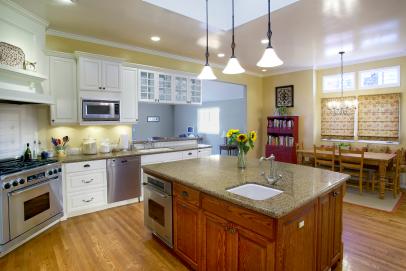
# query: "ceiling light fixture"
[[269, 59], [264, 70], [233, 65], [155, 38], [207, 72], [342, 106], [264, 41], [220, 55]]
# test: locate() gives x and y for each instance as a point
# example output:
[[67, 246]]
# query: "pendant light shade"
[[233, 65], [269, 59], [207, 72]]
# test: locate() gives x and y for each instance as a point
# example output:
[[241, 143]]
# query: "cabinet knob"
[[100, 87], [300, 224], [185, 194], [53, 120], [104, 88], [336, 193], [87, 165]]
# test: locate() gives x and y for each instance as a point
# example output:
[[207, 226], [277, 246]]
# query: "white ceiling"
[[307, 33], [220, 10]]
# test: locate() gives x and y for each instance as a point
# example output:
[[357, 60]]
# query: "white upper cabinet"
[[147, 86], [165, 90], [62, 80], [195, 91], [129, 96], [181, 89], [99, 75]]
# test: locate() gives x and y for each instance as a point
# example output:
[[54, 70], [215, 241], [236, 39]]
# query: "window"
[[379, 78], [337, 126], [332, 83], [208, 120]]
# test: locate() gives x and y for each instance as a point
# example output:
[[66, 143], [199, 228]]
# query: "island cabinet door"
[[296, 240], [336, 204], [186, 230], [325, 235]]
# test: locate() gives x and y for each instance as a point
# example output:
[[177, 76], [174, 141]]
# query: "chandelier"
[[342, 106]]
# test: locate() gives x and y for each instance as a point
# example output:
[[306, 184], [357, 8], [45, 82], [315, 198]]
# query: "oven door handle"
[[162, 195], [14, 193]]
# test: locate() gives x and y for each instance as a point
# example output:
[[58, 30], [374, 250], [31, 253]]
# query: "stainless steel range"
[[30, 199]]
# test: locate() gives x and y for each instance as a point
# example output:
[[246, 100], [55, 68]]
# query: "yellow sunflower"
[[242, 138], [253, 136]]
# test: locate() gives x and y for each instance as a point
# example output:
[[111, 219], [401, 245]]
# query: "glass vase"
[[241, 159]]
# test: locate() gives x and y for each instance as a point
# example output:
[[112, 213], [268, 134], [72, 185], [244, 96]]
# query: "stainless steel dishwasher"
[[123, 178]]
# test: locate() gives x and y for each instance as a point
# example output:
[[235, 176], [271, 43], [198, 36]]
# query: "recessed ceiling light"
[[220, 55], [68, 1], [264, 70], [155, 38], [264, 41]]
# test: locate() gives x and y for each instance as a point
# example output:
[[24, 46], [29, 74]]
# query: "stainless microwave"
[[100, 110]]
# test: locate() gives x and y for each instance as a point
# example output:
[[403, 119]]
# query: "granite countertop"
[[215, 174], [100, 156]]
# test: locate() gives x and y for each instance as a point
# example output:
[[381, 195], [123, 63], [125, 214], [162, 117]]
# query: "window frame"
[[337, 90], [360, 87]]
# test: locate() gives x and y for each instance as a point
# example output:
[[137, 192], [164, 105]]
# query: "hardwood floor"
[[116, 239]]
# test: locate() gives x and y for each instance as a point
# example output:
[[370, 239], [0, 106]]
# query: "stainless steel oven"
[[158, 208], [100, 110]]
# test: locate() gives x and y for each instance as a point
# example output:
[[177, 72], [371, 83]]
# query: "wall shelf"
[[21, 74]]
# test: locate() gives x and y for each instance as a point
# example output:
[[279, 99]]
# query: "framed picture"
[[284, 96]]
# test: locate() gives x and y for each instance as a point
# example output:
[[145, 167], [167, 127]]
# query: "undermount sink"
[[255, 191], [154, 150]]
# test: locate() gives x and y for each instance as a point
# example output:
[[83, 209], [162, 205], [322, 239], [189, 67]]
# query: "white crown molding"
[[25, 12], [57, 33], [85, 54]]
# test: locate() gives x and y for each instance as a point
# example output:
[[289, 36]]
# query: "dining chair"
[[324, 157], [301, 159], [392, 180], [352, 163]]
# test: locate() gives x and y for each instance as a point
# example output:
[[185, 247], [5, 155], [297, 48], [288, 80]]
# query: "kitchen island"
[[214, 229]]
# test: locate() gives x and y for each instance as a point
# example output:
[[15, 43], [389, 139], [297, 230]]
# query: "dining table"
[[379, 160]]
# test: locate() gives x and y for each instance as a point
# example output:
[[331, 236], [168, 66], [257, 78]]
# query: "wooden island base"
[[213, 234]]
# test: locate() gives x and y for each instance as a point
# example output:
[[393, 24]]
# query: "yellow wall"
[[252, 83], [308, 94]]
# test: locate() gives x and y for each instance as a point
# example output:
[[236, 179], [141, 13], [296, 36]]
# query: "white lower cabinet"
[[189, 154], [203, 152], [83, 202]]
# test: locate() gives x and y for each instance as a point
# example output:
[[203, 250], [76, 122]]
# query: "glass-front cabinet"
[[147, 86], [164, 88], [181, 89], [195, 91]]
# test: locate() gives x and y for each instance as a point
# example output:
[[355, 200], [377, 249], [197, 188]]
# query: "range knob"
[[7, 186], [55, 171], [50, 172], [15, 183], [59, 169], [21, 181]]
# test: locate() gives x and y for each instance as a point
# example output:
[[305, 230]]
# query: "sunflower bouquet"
[[244, 142]]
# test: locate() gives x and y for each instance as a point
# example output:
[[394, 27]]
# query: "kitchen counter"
[[215, 174], [100, 156], [167, 139]]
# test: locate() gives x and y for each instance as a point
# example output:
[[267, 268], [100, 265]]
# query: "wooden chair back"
[[351, 160], [324, 156]]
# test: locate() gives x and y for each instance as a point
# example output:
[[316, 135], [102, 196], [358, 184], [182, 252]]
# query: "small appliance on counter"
[[89, 146], [105, 146], [123, 142]]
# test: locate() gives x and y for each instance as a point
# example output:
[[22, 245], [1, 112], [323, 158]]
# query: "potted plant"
[[60, 145], [244, 142]]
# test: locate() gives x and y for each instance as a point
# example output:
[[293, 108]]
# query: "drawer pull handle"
[[189, 153], [185, 194], [124, 161], [300, 224], [88, 200], [89, 181], [87, 165], [336, 193]]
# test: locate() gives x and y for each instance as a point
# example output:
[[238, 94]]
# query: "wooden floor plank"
[[116, 239]]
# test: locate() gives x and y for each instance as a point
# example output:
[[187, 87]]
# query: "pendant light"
[[342, 106], [207, 72], [233, 65], [269, 59]]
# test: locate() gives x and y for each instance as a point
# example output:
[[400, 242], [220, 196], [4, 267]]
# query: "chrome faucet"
[[273, 177]]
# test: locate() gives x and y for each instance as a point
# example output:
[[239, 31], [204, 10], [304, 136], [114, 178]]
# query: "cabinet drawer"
[[256, 222], [186, 194], [85, 166], [160, 158], [85, 180], [189, 154], [81, 201], [203, 152]]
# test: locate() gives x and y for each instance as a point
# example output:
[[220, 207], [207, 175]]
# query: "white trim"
[[25, 12], [59, 54], [104, 57], [53, 32]]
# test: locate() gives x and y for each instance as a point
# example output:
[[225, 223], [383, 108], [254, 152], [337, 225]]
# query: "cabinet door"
[[181, 89], [325, 234], [195, 91], [147, 86], [336, 203], [298, 235], [186, 231], [111, 76], [63, 88], [250, 251], [214, 243], [90, 75], [129, 98], [164, 88]]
